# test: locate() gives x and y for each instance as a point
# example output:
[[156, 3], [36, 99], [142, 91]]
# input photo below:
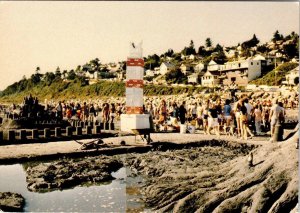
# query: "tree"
[[192, 44], [250, 43], [95, 64], [174, 76], [64, 73], [189, 50], [208, 42], [218, 48], [277, 36], [57, 72], [78, 69], [169, 53], [37, 70], [71, 75], [35, 78], [202, 52], [49, 78], [291, 50]]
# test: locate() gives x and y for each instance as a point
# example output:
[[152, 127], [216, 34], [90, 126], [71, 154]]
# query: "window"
[[251, 63], [257, 63]]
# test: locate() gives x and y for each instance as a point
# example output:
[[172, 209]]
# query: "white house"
[[157, 70], [193, 78], [212, 66], [230, 53], [242, 71], [97, 75], [185, 69], [292, 78], [192, 57], [209, 79], [150, 73], [89, 74], [199, 67], [166, 67]]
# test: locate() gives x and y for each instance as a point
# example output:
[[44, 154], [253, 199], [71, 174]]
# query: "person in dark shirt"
[[182, 113], [213, 120]]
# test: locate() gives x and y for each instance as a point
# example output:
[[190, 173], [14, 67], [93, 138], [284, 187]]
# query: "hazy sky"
[[67, 34]]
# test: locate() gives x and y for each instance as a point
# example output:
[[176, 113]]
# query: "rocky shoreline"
[[175, 173], [11, 202]]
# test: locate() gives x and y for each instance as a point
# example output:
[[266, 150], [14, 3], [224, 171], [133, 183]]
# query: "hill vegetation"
[[76, 89], [276, 76], [74, 83]]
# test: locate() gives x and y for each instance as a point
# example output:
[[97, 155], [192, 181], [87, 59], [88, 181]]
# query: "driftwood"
[[94, 144]]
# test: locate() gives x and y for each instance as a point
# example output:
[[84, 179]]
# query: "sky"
[[70, 33]]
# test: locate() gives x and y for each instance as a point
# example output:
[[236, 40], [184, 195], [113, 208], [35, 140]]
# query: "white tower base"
[[134, 121]]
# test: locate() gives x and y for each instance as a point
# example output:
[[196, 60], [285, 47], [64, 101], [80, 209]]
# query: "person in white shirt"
[[275, 113]]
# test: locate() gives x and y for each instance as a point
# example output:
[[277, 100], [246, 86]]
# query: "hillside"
[[61, 90], [275, 76]]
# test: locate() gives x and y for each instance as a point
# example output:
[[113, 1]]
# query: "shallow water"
[[119, 195]]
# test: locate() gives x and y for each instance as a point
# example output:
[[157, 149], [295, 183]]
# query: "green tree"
[[277, 36], [218, 48], [71, 75], [250, 43], [37, 70], [49, 78], [291, 50], [57, 72], [208, 42], [65, 73], [95, 64]]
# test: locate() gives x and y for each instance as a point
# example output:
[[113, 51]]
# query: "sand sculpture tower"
[[134, 117]]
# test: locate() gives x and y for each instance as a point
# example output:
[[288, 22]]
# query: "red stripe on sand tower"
[[135, 62], [135, 83], [134, 110]]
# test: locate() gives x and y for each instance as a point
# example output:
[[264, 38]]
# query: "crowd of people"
[[243, 116]]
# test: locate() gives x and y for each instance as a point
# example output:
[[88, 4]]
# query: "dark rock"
[[11, 202], [67, 174]]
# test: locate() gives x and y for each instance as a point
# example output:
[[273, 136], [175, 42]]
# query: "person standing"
[[199, 115], [213, 120], [112, 112], [258, 118], [59, 111], [227, 114], [276, 112], [182, 113]]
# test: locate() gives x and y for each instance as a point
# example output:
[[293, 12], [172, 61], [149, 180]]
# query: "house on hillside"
[[292, 78], [242, 71], [97, 75], [89, 74], [212, 66], [156, 70], [150, 73], [120, 76], [210, 79], [113, 67], [193, 78], [199, 67], [166, 67], [192, 57], [185, 69], [230, 53]]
